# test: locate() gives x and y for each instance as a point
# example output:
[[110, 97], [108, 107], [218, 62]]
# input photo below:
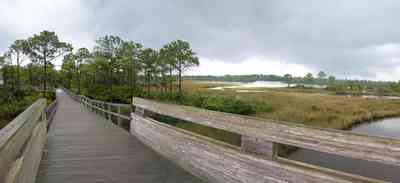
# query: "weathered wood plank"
[[358, 146], [258, 146], [102, 102], [32, 155], [84, 147], [14, 137], [220, 164], [50, 112], [106, 111]]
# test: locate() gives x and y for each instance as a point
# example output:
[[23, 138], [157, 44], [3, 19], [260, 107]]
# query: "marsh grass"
[[315, 107]]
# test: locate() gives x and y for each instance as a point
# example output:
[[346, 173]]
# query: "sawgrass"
[[319, 109]]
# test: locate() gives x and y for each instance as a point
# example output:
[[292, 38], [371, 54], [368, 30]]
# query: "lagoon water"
[[255, 84], [385, 128], [258, 84]]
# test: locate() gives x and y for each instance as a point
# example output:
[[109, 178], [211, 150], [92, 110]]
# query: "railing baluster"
[[104, 109], [119, 120], [109, 109]]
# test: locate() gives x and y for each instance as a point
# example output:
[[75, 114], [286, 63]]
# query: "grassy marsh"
[[312, 107]]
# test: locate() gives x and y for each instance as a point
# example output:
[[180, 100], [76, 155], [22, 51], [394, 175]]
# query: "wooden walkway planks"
[[83, 148]]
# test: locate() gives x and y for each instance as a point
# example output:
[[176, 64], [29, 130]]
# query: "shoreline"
[[368, 120], [286, 150]]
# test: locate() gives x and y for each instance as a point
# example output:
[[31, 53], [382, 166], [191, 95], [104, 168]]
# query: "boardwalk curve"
[[83, 147]]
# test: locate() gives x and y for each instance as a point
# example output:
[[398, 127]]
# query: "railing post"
[[109, 109], [119, 120], [140, 112], [259, 146], [103, 106], [87, 105], [84, 103], [43, 116], [92, 106]]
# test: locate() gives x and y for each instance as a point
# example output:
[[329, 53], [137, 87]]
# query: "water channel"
[[385, 128]]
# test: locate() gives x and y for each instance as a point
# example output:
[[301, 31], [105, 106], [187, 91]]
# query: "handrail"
[[50, 112], [22, 141], [259, 137], [108, 103], [353, 145], [103, 107], [89, 104]]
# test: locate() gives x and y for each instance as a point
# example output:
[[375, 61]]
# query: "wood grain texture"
[[258, 146], [358, 146], [32, 155], [82, 147], [220, 164], [50, 112], [15, 136], [95, 106]]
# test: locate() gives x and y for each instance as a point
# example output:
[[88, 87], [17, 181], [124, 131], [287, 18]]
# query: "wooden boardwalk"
[[83, 148]]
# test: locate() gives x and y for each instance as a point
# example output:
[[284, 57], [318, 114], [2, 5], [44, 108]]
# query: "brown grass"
[[311, 108]]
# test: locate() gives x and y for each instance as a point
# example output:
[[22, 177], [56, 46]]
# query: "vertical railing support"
[[119, 120], [109, 109], [105, 109], [90, 105], [259, 146]]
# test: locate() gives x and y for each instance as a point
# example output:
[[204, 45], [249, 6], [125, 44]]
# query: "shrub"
[[219, 103], [11, 106]]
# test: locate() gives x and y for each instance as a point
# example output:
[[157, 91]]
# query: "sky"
[[350, 39]]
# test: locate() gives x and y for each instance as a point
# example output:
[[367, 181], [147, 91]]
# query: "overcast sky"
[[345, 38]]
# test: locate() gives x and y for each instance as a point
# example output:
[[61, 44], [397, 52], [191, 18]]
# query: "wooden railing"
[[115, 112], [22, 141], [256, 159], [50, 112]]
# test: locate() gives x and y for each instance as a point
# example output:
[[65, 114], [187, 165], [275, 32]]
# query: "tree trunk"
[[180, 82], [79, 79], [45, 77], [5, 77], [18, 73], [130, 81], [94, 82], [170, 82], [134, 74], [111, 82], [12, 79], [30, 75], [180, 78], [148, 82]]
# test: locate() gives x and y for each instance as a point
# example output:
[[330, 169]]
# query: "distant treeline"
[[237, 78], [114, 70], [340, 86], [309, 78]]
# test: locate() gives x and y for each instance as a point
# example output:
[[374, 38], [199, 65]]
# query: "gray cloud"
[[345, 38]]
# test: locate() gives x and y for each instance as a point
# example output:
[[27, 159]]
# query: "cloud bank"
[[349, 39]]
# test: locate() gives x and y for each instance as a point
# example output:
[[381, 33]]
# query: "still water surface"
[[386, 128], [258, 84]]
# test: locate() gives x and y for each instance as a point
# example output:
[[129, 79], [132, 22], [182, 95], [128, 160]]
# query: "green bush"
[[219, 103], [12, 105], [227, 104]]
